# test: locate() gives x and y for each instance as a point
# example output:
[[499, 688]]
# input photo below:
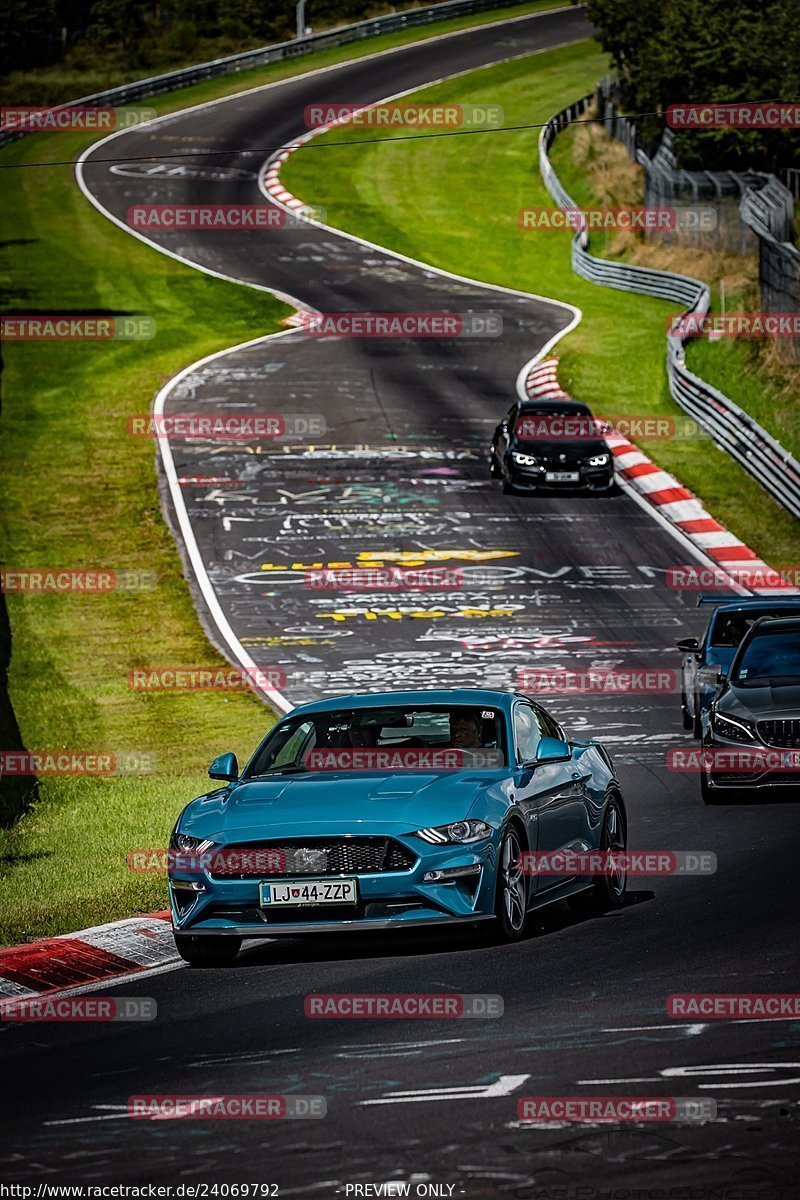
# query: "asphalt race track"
[[401, 477]]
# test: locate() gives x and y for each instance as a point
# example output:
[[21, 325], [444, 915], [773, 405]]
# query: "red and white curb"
[[664, 492], [90, 956]]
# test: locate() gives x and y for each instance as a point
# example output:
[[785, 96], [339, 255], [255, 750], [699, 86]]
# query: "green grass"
[[76, 491], [453, 202], [752, 375]]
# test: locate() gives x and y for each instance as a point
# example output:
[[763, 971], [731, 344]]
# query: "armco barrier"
[[731, 428], [233, 63]]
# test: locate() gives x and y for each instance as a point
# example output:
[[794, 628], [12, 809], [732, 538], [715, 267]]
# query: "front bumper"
[[201, 904], [768, 769], [591, 479]]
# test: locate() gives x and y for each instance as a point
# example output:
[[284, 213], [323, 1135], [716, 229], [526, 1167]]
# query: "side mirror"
[[552, 749], [688, 645], [224, 767]]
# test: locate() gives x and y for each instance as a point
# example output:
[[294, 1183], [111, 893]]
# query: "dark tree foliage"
[[691, 51], [142, 33]]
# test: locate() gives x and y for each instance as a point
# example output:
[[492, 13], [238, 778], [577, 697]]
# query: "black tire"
[[508, 489], [608, 891], [707, 793], [688, 722], [200, 951], [511, 889], [697, 725]]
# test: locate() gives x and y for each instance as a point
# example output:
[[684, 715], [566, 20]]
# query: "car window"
[[290, 750], [730, 628], [770, 656], [526, 732], [550, 727]]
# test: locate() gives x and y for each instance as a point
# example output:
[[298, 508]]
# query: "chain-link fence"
[[739, 212]]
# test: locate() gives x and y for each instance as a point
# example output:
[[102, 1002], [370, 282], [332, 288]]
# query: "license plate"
[[295, 892], [562, 476]]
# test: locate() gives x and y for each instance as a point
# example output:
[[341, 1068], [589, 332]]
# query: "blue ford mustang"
[[392, 811]]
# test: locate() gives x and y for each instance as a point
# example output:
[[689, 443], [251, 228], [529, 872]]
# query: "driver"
[[466, 730], [363, 736]]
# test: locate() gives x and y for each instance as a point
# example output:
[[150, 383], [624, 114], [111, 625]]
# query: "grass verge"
[[454, 202], [77, 492]]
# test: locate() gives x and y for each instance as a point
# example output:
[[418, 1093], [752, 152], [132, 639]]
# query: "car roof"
[[438, 696], [747, 603], [775, 625]]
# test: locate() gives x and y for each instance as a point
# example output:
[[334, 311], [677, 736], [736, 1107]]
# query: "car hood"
[[764, 703], [338, 802]]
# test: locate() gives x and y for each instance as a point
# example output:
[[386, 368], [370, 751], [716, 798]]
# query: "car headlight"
[[459, 831], [184, 843], [599, 460], [731, 727], [524, 460]]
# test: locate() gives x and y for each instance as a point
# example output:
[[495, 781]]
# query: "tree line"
[[675, 51]]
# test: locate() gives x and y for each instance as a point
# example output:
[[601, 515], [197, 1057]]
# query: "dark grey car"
[[752, 728]]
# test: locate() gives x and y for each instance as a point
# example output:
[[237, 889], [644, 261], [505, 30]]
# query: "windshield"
[[770, 656], [729, 628], [397, 738], [553, 423]]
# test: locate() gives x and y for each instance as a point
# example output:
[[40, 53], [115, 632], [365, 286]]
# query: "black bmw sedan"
[[551, 444]]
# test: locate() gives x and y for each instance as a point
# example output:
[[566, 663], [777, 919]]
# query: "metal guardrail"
[[731, 428], [344, 34]]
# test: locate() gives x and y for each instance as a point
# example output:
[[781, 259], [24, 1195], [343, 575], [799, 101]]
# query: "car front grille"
[[783, 733], [322, 856]]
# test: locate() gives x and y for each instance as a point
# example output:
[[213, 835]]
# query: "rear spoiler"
[[715, 600]]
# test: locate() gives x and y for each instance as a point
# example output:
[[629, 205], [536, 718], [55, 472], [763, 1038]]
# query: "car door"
[[552, 794]]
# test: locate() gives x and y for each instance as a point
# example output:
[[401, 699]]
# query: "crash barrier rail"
[[344, 34], [731, 428]]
